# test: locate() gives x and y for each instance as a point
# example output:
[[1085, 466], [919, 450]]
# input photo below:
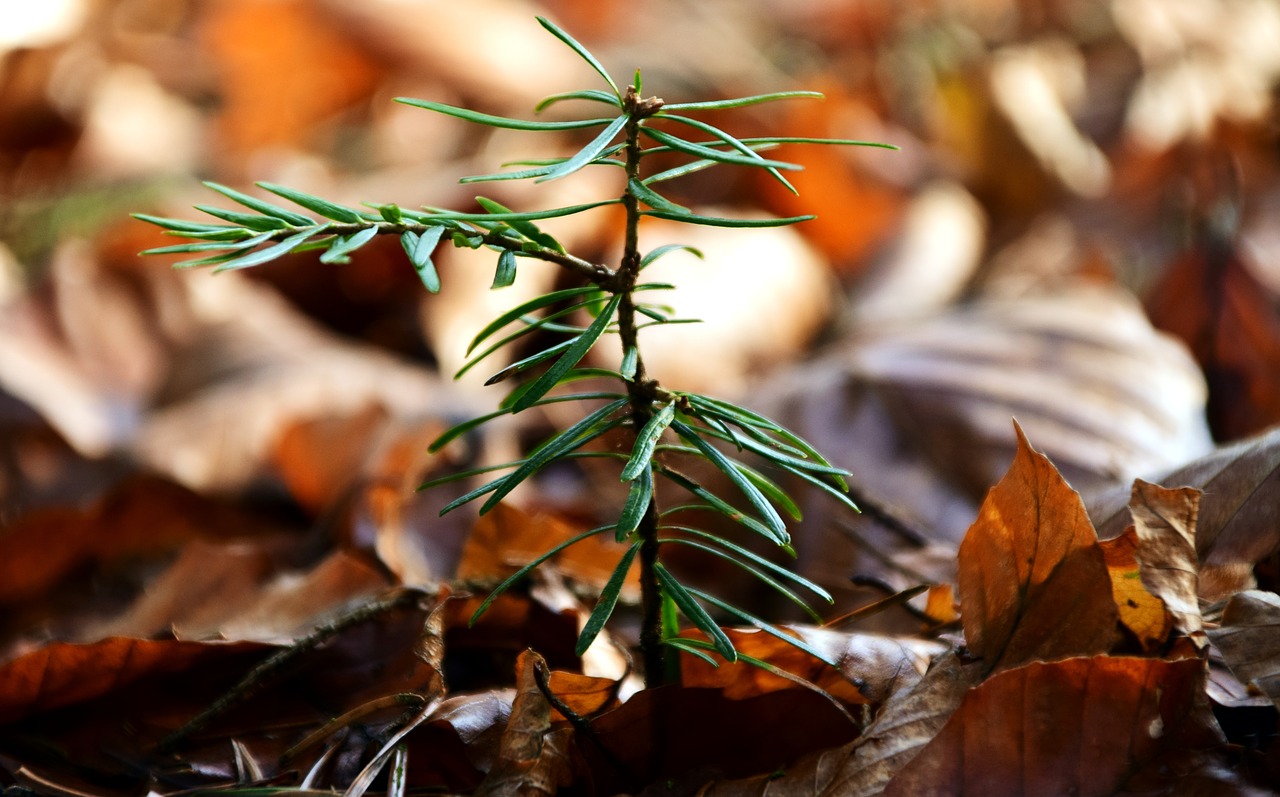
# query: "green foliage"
[[667, 426]]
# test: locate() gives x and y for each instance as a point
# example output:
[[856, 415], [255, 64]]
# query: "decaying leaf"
[[907, 723], [1033, 582], [1086, 726], [1165, 523], [1249, 639], [1235, 526], [533, 758], [871, 667], [1142, 613], [62, 674]]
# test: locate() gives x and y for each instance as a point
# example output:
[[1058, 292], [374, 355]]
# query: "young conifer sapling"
[[667, 425]]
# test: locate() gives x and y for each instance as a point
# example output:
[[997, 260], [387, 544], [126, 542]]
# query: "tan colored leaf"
[[1165, 523], [532, 757], [1084, 726], [1235, 525], [1249, 639], [907, 723], [1141, 612], [1033, 582]]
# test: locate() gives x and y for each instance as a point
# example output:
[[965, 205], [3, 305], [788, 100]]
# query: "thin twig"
[[281, 660], [542, 676]]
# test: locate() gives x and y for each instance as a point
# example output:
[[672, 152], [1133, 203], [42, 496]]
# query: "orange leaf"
[[1141, 612], [1033, 582]]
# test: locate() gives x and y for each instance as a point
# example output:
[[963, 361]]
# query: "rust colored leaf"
[[1165, 523], [1033, 582], [584, 695], [1230, 320], [532, 757], [1249, 640], [63, 674], [507, 537], [871, 667], [1141, 612], [319, 458], [284, 67], [1080, 726]]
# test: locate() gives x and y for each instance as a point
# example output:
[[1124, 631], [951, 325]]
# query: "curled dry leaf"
[[1235, 527], [908, 722], [1165, 523], [1249, 640], [1033, 581], [533, 758], [1087, 726], [1065, 365], [920, 413]]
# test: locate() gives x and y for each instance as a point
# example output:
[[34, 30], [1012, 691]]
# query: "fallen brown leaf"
[[63, 674], [1234, 525], [533, 758], [1033, 581], [1249, 639], [1086, 726], [1165, 523]]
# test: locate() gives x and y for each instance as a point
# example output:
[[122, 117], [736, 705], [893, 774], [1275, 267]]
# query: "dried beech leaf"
[[63, 674], [1141, 612], [506, 538], [1210, 299], [532, 757], [1235, 526], [1165, 522], [907, 723], [1033, 582], [1249, 639], [1086, 726]]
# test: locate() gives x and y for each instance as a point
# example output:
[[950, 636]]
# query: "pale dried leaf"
[[1235, 527], [1249, 639], [532, 757], [1165, 521], [907, 723]]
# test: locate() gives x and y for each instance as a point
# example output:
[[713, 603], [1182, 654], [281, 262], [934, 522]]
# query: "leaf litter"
[[276, 502]]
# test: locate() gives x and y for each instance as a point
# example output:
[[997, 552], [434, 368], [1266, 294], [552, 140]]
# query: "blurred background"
[[1080, 230]]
